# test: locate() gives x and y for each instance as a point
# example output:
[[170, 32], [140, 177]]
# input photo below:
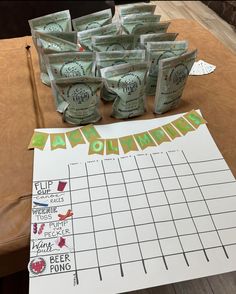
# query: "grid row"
[[124, 222], [174, 195], [148, 232], [143, 250], [144, 206], [144, 237], [162, 161], [149, 180]]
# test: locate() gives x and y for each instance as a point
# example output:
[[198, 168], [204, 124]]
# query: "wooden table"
[[20, 113]]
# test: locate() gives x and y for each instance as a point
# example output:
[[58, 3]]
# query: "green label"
[[144, 140]]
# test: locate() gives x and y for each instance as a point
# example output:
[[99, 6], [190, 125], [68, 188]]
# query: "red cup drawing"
[[61, 186]]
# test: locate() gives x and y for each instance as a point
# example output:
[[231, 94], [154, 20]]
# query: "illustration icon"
[[61, 186], [64, 216], [37, 265]]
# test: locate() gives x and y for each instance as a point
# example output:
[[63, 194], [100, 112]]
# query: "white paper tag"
[[201, 67]]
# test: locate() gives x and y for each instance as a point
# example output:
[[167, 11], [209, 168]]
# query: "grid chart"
[[145, 207]]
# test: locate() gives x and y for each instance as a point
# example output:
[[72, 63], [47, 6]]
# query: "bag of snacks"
[[157, 51], [131, 22], [114, 43], [111, 58], [92, 21], [81, 99], [54, 22], [152, 28], [47, 43], [136, 8], [69, 65], [173, 74], [85, 37], [161, 37], [128, 82]]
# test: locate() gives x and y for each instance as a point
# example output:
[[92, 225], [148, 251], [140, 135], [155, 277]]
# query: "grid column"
[[186, 174], [170, 210], [207, 207]]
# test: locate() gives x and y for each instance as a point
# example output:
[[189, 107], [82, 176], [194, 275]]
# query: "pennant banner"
[[144, 140], [75, 138], [97, 145], [171, 131], [182, 125], [195, 119], [159, 135], [58, 141], [112, 146], [128, 144], [90, 132], [38, 140]]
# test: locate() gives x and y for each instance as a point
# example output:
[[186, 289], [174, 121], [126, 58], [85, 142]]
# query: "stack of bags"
[[120, 61]]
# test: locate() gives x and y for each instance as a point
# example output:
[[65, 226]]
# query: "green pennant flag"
[[159, 135], [195, 119], [182, 125], [144, 140], [112, 146], [38, 140], [75, 138], [171, 131], [97, 147], [128, 144], [90, 133], [58, 141]]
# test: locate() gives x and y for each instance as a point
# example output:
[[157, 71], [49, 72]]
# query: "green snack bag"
[[131, 22], [157, 51], [80, 99], [67, 36], [136, 9], [69, 65], [111, 58], [47, 44], [114, 43], [54, 22], [152, 28], [92, 21], [128, 82], [157, 38], [173, 74], [85, 37]]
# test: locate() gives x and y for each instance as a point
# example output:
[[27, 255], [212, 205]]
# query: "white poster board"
[[143, 219]]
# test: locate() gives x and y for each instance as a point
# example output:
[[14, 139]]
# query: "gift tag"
[[201, 67]]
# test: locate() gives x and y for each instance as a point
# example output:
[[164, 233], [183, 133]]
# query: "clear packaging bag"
[[81, 98], [69, 65], [114, 43], [85, 37], [152, 28], [173, 74], [111, 58], [157, 51], [161, 37], [46, 44], [128, 82], [131, 22], [54, 22], [136, 8], [92, 21]]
